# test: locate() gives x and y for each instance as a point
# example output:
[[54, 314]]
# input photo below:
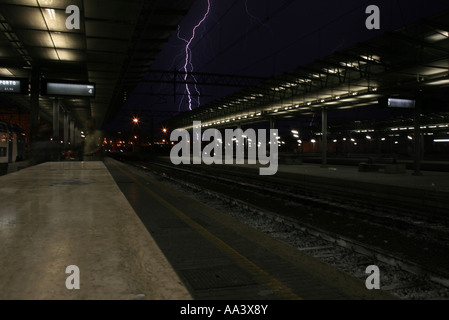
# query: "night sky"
[[264, 38]]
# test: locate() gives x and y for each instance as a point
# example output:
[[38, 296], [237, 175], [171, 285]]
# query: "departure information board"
[[401, 103], [13, 85], [51, 88]]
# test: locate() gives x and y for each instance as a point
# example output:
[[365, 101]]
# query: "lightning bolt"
[[188, 65]]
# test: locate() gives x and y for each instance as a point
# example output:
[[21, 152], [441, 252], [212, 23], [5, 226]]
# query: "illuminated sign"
[[52, 88], [401, 103], [8, 85]]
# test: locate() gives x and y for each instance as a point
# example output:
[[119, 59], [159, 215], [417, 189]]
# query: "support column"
[[272, 123], [66, 128], [76, 136], [417, 138], [34, 103], [72, 133], [56, 120], [324, 138], [379, 143]]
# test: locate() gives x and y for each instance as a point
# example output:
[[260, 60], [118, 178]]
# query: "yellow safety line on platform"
[[264, 277]]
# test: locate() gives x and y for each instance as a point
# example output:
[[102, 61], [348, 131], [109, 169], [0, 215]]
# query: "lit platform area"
[[428, 180], [430, 188], [348, 175], [60, 214]]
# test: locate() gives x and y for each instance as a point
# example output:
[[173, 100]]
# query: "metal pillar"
[[417, 131], [272, 123], [72, 133], [75, 137], [66, 128], [379, 144], [56, 120], [324, 138], [34, 104]]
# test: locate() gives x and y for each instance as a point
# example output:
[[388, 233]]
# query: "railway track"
[[421, 224], [405, 278]]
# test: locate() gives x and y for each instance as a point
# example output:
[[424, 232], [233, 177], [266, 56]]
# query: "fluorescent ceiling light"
[[45, 3], [438, 83], [370, 58], [5, 72], [51, 13], [438, 36]]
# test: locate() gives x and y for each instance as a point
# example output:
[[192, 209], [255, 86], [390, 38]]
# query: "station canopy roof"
[[401, 63], [116, 44]]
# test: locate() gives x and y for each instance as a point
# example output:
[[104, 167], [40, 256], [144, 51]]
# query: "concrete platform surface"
[[59, 214]]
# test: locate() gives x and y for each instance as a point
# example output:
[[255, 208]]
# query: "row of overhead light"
[[299, 81], [431, 126], [219, 122], [434, 126], [309, 103], [325, 100], [355, 65], [293, 108], [295, 134], [326, 71]]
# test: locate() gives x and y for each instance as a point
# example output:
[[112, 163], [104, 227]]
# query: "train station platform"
[[61, 214], [428, 180], [133, 237], [430, 188]]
